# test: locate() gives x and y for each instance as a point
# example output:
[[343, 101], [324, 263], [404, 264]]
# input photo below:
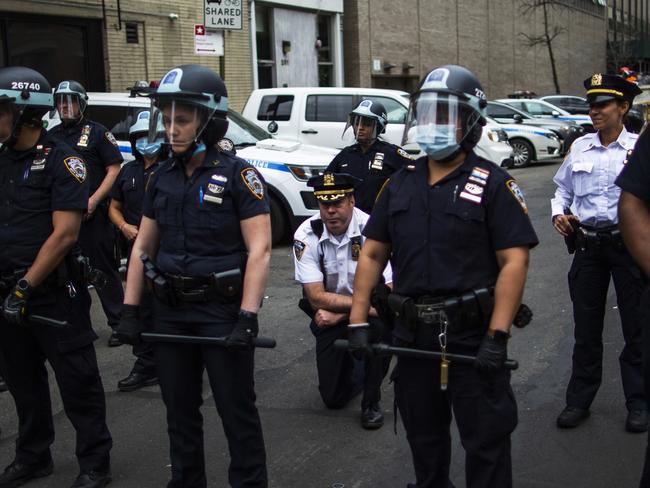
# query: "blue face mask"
[[148, 149], [438, 141]]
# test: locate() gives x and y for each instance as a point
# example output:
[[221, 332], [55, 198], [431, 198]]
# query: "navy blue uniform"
[[635, 179], [129, 190], [444, 240], [99, 149], [199, 223], [34, 183], [373, 167]]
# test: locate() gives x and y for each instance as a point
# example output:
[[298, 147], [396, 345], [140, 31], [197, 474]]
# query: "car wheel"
[[523, 153], [278, 221]]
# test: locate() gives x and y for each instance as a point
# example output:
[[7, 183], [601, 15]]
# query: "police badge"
[[355, 247], [85, 135]]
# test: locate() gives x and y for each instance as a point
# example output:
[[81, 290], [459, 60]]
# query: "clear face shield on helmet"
[[69, 105], [183, 122], [436, 123], [364, 129], [7, 120]]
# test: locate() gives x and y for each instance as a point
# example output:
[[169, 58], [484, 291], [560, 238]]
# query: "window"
[[500, 111], [131, 29], [117, 119], [396, 111], [275, 107], [538, 109], [325, 64], [518, 105], [329, 108]]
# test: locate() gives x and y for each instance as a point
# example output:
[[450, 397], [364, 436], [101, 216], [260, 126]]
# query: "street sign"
[[207, 43], [223, 14]]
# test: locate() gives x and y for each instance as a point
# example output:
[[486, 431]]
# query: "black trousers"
[[340, 376], [230, 372], [645, 313], [96, 239], [485, 410], [589, 278], [70, 352]]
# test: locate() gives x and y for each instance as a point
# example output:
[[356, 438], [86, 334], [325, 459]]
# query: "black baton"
[[263, 342], [384, 350], [41, 319]]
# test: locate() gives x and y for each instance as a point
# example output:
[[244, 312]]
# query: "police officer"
[[456, 230], [45, 192], [370, 159], [125, 211], [99, 149], [326, 251], [586, 181], [206, 227]]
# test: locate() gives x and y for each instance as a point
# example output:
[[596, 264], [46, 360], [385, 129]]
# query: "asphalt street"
[[311, 447]]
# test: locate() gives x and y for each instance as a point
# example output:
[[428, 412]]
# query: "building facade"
[[110, 44], [393, 44], [628, 34]]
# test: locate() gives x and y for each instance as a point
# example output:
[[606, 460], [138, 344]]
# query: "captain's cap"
[[331, 187], [603, 87]]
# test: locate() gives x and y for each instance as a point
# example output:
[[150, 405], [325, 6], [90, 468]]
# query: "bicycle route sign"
[[223, 14]]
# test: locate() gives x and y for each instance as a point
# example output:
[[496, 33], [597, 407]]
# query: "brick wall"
[[484, 35], [163, 43]]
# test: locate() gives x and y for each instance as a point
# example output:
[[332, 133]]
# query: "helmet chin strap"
[[193, 150]]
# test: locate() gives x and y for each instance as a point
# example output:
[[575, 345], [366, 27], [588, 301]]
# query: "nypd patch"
[[226, 145], [253, 182], [517, 193], [111, 138], [298, 248], [76, 167]]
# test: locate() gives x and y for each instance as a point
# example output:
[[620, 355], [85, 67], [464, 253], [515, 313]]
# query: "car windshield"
[[242, 132], [499, 109]]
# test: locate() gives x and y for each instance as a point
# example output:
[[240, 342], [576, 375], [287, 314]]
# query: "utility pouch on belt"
[[229, 283], [156, 282], [406, 317]]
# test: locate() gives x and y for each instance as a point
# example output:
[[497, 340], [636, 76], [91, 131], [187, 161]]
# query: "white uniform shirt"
[[586, 179], [339, 262]]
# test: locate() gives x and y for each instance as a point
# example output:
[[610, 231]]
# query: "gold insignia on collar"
[[597, 80], [328, 179]]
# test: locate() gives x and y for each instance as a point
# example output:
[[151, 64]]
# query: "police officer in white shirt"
[[326, 251], [586, 181]]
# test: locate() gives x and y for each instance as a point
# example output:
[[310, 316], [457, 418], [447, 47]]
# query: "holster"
[[305, 306], [406, 319], [156, 282]]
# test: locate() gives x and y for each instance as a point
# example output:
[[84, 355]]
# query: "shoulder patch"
[[110, 137], [518, 194], [298, 248], [404, 154], [253, 182], [226, 145], [76, 167]]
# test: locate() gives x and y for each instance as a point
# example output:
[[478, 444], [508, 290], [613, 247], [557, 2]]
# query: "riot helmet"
[[446, 113], [25, 96], [193, 103], [71, 101], [368, 121], [139, 136]]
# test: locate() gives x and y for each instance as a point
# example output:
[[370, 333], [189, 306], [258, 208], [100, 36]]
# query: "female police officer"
[[205, 222], [456, 230], [125, 211]]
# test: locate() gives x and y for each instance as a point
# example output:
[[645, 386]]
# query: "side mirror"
[[555, 113], [272, 127], [518, 118]]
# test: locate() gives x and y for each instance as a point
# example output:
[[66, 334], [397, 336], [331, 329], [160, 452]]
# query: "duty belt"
[[588, 236], [192, 289]]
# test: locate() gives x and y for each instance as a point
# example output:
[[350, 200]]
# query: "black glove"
[[493, 351], [130, 327], [246, 328], [358, 340], [14, 305]]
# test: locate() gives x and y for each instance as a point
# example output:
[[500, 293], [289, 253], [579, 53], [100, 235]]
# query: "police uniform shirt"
[[129, 189], [587, 179], [34, 183], [373, 168], [340, 255], [199, 217], [96, 145], [444, 237], [635, 176]]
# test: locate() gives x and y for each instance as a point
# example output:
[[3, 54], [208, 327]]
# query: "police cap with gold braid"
[[330, 187], [602, 88]]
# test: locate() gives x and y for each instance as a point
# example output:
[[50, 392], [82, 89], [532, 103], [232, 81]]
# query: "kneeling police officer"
[[207, 231], [45, 192], [456, 230]]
